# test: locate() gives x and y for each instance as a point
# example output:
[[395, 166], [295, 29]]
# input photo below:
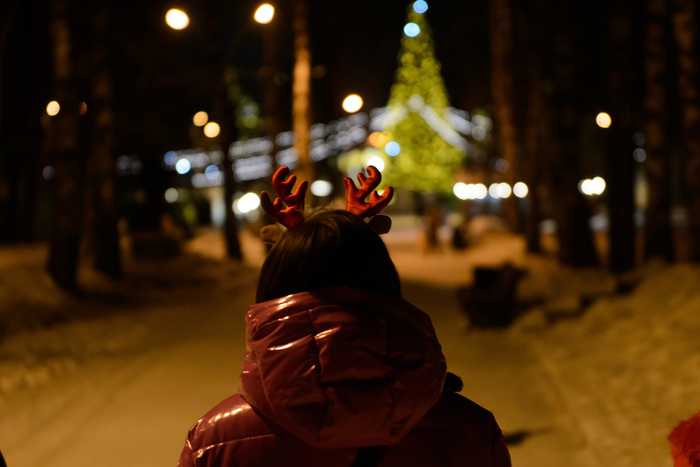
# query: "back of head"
[[328, 249]]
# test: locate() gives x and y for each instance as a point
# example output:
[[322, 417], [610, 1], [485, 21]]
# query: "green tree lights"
[[430, 150]]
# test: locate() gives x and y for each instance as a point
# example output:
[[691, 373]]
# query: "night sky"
[[354, 48], [160, 75]]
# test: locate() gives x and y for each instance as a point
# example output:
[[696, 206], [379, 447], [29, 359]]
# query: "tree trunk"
[[222, 112], [301, 91], [69, 148], [684, 25], [658, 236], [572, 212], [271, 90], [102, 233], [502, 88], [536, 124], [623, 89]]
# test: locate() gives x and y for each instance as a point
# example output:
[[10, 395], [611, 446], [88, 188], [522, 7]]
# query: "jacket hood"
[[341, 367]]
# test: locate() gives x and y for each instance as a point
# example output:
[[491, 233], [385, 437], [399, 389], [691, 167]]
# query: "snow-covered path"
[[122, 386], [132, 402]]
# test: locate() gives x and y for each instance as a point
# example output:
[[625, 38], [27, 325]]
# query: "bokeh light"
[[177, 19], [247, 203], [352, 103], [639, 155], [183, 166], [467, 191], [82, 108], [461, 190], [212, 130], [200, 118], [590, 187], [52, 108], [392, 148], [520, 190], [376, 139], [264, 13], [377, 162], [171, 195], [420, 7], [504, 190], [321, 188], [48, 172], [603, 120], [411, 29]]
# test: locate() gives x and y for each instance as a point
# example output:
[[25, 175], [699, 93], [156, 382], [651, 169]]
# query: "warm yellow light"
[[82, 109], [352, 103], [200, 118], [264, 13], [377, 139], [603, 120], [212, 130], [177, 19], [52, 108]]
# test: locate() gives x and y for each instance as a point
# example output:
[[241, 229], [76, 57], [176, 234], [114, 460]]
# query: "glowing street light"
[[212, 130], [200, 118], [52, 108], [177, 19], [603, 120], [264, 13], [352, 103]]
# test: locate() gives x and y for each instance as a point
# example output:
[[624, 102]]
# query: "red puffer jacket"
[[330, 372]]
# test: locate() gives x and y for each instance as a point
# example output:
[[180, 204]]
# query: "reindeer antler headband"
[[356, 202]]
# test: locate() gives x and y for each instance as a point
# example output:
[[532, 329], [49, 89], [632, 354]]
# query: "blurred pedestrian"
[[685, 443], [339, 370]]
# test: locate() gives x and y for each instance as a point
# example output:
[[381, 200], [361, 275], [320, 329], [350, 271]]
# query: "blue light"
[[411, 29], [170, 158], [392, 148], [212, 172], [183, 166], [420, 7]]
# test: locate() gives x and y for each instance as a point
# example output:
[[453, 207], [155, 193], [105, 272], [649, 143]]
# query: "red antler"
[[355, 201], [294, 213]]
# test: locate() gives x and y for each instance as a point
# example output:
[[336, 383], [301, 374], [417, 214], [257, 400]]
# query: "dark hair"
[[330, 248]]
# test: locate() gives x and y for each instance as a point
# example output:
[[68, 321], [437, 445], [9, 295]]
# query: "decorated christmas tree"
[[425, 150]]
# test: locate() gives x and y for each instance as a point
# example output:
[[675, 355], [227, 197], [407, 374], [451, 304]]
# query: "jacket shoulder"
[[231, 420]]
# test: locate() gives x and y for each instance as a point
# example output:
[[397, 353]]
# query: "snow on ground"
[[620, 354]]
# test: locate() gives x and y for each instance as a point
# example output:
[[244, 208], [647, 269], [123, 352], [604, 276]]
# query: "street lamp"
[[52, 108], [200, 118], [212, 130], [264, 13], [177, 19], [352, 103], [603, 120]]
